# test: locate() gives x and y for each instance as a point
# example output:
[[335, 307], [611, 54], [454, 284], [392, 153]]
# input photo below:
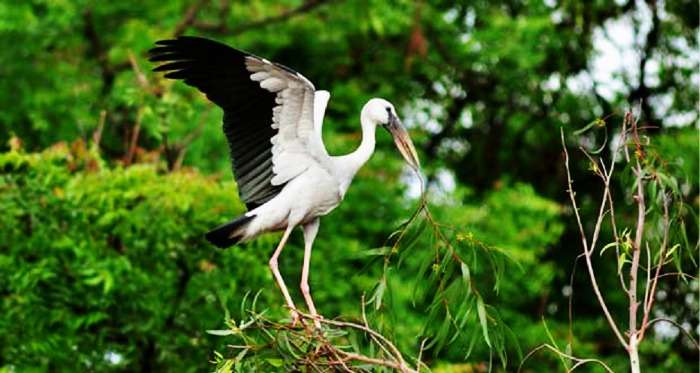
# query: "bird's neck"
[[351, 163], [364, 151]]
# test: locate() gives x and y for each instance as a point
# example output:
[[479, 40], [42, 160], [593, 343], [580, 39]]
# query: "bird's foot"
[[317, 320], [296, 318]]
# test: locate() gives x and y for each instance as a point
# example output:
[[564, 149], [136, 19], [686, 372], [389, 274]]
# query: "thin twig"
[[677, 325], [419, 359], [587, 251], [394, 350], [579, 361], [648, 270], [679, 274], [189, 17], [133, 142], [140, 76], [397, 361], [97, 135], [662, 253], [364, 320], [222, 28], [370, 360], [611, 208], [570, 336]]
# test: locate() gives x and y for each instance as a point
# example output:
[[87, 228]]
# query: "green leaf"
[[379, 294], [620, 262], [241, 355], [374, 252], [277, 363], [564, 362], [596, 123], [481, 311], [466, 276], [672, 251], [611, 244], [222, 332]]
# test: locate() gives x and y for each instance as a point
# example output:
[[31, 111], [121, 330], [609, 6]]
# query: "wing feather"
[[269, 118]]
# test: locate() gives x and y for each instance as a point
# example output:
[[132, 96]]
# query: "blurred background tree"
[[114, 173]]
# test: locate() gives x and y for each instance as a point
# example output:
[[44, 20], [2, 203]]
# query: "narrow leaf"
[[481, 310], [223, 332], [466, 276]]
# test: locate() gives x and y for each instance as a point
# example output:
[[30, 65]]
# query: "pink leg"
[[310, 231], [278, 275]]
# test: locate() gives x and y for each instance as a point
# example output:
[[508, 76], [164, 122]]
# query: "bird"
[[272, 120]]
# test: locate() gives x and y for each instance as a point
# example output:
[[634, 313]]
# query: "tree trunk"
[[634, 354]]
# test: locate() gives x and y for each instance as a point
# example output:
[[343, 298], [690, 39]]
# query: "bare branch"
[[662, 254], [588, 251], [636, 251], [189, 17], [579, 361], [133, 142], [648, 270], [364, 320], [222, 28], [370, 360], [679, 274], [677, 325], [140, 76], [611, 208], [570, 335], [97, 135], [391, 347], [100, 54]]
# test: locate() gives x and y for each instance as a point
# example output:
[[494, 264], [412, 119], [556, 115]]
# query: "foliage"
[[658, 231], [106, 265], [266, 345]]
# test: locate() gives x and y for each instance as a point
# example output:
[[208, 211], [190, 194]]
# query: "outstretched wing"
[[268, 111]]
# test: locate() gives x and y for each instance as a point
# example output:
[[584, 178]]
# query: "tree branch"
[[395, 351], [97, 51], [651, 288], [189, 18], [223, 28], [589, 250], [677, 325], [133, 141], [637, 249]]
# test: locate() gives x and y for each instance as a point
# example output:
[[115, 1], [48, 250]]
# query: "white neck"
[[361, 155], [349, 164]]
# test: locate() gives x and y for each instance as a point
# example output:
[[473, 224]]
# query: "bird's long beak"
[[403, 141]]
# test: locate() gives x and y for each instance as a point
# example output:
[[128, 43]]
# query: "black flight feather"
[[219, 71]]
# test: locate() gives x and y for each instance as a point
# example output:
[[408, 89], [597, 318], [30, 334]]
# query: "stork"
[[272, 121]]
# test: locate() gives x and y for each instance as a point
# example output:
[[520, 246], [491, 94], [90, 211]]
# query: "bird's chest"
[[318, 195], [328, 197]]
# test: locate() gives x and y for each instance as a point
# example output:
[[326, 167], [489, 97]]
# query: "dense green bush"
[[106, 267]]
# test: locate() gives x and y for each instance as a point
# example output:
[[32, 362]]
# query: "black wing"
[[219, 71]]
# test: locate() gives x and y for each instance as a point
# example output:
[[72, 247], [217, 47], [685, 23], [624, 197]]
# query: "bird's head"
[[382, 112]]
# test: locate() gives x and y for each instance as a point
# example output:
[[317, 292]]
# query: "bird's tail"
[[230, 233]]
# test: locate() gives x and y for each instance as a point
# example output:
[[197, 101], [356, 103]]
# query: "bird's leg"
[[310, 231], [278, 275]]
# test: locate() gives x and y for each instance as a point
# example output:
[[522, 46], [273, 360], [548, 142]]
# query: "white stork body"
[[318, 189], [311, 194], [272, 119]]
